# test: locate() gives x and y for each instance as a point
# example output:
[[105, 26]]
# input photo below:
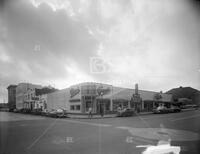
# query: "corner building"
[[78, 98]]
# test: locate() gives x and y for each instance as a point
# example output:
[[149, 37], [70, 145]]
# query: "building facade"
[[12, 97], [21, 93], [79, 98], [35, 98]]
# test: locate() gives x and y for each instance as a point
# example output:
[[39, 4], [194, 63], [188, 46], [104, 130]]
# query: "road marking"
[[161, 134], [184, 118], [158, 116], [37, 139], [87, 123]]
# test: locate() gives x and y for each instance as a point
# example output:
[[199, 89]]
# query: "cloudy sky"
[[155, 43]]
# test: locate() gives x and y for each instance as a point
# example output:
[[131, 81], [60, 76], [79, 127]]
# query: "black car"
[[174, 109]]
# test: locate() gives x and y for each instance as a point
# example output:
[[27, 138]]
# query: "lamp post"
[[102, 108]]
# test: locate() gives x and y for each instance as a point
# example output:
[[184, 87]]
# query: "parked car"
[[37, 111], [125, 112], [16, 111], [190, 106], [161, 109], [173, 109], [44, 112], [24, 110], [58, 113]]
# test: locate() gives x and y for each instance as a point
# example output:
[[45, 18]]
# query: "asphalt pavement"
[[160, 133]]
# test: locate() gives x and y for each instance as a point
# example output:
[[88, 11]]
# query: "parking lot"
[[22, 133]]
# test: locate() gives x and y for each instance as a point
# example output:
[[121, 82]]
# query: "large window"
[[72, 107], [75, 107], [88, 90], [88, 105], [78, 107]]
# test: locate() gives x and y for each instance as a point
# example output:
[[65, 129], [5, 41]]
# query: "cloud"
[[52, 42]]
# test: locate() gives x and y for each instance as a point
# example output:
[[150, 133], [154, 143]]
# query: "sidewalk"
[[85, 116], [97, 116]]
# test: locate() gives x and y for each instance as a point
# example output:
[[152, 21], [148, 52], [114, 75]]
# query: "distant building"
[[21, 90], [79, 98], [35, 98], [185, 95], [12, 96], [4, 107]]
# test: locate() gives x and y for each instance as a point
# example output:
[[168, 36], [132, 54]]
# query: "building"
[[58, 100], [35, 98], [21, 91], [78, 98], [184, 92], [12, 97], [4, 107], [185, 95]]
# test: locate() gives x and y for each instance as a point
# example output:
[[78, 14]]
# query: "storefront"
[[79, 98], [90, 95]]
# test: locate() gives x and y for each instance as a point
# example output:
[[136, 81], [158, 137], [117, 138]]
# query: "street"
[[21, 134]]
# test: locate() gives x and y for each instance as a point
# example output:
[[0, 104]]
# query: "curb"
[[94, 117]]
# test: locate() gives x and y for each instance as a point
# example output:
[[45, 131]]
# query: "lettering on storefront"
[[103, 90]]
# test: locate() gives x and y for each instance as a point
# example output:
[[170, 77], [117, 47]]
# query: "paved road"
[[28, 134]]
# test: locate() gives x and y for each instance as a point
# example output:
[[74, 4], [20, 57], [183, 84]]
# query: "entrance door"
[[88, 104], [100, 106], [103, 105], [88, 101]]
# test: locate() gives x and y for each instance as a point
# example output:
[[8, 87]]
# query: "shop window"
[[107, 104], [72, 107], [88, 105], [78, 107], [145, 105]]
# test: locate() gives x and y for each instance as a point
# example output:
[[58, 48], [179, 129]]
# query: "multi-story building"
[[11, 97], [79, 98], [37, 98], [21, 91]]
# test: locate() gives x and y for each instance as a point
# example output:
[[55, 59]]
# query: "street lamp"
[[102, 108]]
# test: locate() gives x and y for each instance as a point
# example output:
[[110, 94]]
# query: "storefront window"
[[72, 107], [75, 107], [88, 105], [78, 107], [88, 90], [107, 105]]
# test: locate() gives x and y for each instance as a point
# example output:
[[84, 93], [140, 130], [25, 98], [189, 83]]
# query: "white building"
[[37, 98], [79, 98], [21, 92]]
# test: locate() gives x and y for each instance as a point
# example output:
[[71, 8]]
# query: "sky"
[[154, 43]]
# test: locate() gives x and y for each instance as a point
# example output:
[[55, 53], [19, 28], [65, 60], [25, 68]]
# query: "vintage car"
[[160, 109], [125, 112], [58, 113], [173, 109]]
